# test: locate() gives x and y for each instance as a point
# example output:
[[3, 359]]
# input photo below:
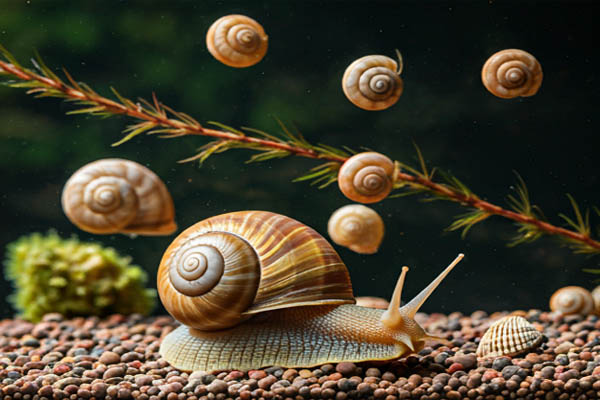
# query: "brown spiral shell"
[[367, 177], [237, 41], [357, 227], [572, 300], [118, 196], [373, 82], [511, 73], [224, 269]]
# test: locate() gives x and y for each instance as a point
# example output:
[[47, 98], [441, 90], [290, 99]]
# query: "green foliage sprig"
[[74, 278], [156, 118]]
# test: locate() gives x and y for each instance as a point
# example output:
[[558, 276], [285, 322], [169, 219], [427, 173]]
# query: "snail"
[[572, 300], [237, 41], [511, 73], [357, 227], [373, 82], [118, 196], [255, 288], [367, 177]]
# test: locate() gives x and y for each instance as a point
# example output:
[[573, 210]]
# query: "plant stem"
[[183, 128]]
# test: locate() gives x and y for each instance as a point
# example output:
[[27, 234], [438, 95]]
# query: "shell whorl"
[[366, 177], [357, 227], [237, 41], [511, 73], [118, 196], [373, 82], [285, 264], [572, 300]]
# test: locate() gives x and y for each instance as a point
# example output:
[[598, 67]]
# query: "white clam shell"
[[509, 336]]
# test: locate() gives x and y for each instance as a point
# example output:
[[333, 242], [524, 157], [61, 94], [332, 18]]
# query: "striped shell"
[[366, 177], [357, 227], [224, 269], [509, 336], [237, 41], [118, 196], [373, 82], [572, 300], [512, 73]]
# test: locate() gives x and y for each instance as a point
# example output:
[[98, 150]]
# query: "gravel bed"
[[117, 358]]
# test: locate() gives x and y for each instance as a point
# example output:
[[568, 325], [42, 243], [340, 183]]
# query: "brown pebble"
[[109, 357], [455, 367], [113, 372], [346, 368], [257, 374], [266, 382]]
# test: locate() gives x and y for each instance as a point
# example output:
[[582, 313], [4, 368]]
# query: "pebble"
[[109, 357]]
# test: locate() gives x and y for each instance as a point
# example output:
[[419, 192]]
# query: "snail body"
[[373, 82], [512, 73], [302, 310], [357, 227], [118, 196], [237, 41], [367, 177]]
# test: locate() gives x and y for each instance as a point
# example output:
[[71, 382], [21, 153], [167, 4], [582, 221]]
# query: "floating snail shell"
[[509, 336], [118, 196], [512, 73], [373, 82], [224, 269], [372, 302], [367, 177], [357, 227], [237, 41], [572, 300]]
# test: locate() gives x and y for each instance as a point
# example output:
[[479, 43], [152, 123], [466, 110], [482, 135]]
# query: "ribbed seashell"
[[357, 227], [509, 336], [373, 82], [237, 41], [118, 196], [367, 177], [511, 73], [372, 302], [224, 269], [572, 300]]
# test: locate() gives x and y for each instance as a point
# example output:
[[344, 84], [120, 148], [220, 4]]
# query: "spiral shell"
[[373, 82], [237, 41], [572, 300], [509, 336], [366, 177], [372, 302], [224, 269], [118, 196], [512, 73], [357, 227]]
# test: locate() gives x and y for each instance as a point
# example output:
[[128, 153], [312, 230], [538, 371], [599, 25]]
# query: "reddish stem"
[[196, 129]]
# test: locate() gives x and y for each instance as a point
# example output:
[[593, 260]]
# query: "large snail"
[[373, 82], [357, 227], [237, 41], [511, 73], [572, 300], [118, 196], [367, 177], [255, 288]]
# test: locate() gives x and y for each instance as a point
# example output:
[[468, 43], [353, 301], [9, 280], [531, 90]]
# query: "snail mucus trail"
[[294, 332]]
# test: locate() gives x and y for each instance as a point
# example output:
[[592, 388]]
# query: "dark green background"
[[140, 47]]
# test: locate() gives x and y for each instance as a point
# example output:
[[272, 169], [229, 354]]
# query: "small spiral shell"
[[118, 196], [512, 73], [572, 300], [357, 227], [366, 177], [237, 41], [373, 82], [224, 269], [372, 302]]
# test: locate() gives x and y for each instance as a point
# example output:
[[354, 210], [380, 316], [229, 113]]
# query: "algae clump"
[[73, 278]]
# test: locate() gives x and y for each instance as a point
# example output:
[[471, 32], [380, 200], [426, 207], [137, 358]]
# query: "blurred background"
[[139, 47]]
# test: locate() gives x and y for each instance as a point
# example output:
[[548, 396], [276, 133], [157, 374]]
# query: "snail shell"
[[509, 336], [372, 302], [596, 296], [572, 300], [237, 41], [512, 73], [367, 177], [357, 227], [118, 196], [373, 82], [224, 269]]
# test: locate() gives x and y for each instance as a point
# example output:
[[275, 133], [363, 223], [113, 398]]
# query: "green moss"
[[74, 278]]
